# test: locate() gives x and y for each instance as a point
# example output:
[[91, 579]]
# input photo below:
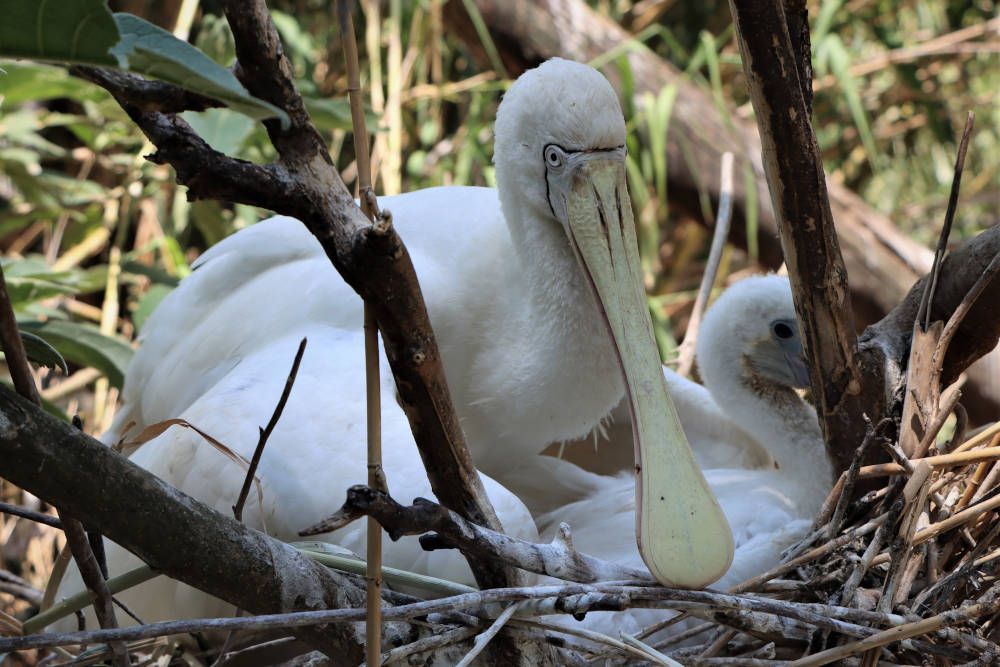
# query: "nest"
[[903, 574]]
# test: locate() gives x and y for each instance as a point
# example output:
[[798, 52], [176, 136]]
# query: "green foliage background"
[[94, 236]]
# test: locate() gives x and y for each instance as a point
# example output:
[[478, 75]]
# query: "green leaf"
[[43, 354], [223, 129], [335, 114], [24, 82], [151, 50], [85, 345], [80, 31], [85, 32]]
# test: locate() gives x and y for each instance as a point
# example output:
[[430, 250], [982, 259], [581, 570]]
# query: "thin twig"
[[265, 432], [990, 605], [927, 301], [484, 638], [557, 559], [851, 477], [373, 401], [719, 235]]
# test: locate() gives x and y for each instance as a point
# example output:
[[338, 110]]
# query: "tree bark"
[[811, 248], [882, 262], [172, 532]]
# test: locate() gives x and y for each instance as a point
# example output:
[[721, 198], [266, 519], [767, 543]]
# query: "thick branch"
[[144, 94], [558, 559], [166, 528], [979, 331], [808, 238]]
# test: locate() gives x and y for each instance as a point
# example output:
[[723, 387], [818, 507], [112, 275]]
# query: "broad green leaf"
[[223, 129], [85, 32], [79, 31], [85, 345], [154, 273], [335, 114], [151, 50], [41, 353], [215, 39]]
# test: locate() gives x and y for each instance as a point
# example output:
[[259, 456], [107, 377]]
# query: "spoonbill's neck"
[[777, 418], [786, 426]]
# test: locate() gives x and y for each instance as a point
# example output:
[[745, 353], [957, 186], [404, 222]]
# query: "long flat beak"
[[681, 531]]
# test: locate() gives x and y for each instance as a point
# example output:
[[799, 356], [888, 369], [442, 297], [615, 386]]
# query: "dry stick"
[[822, 550], [428, 643], [441, 527], [850, 478], [921, 396], [973, 484], [483, 639], [719, 236], [927, 300], [76, 536], [990, 606], [373, 402], [265, 433], [572, 598]]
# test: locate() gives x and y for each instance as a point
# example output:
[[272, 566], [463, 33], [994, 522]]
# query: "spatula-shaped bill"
[[682, 533]]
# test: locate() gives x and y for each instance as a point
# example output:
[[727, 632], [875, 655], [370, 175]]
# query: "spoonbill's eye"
[[782, 330], [553, 156]]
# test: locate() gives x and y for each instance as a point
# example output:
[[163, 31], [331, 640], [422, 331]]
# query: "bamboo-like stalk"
[[376, 479]]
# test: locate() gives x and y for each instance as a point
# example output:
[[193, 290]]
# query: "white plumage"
[[751, 371], [527, 353]]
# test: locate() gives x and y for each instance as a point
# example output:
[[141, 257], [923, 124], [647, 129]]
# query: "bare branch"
[[143, 94], [166, 528], [558, 559], [265, 432]]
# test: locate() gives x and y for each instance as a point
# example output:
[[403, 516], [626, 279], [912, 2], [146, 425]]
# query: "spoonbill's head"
[[560, 167], [752, 327]]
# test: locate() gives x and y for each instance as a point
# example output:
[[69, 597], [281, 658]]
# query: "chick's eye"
[[553, 157], [782, 330]]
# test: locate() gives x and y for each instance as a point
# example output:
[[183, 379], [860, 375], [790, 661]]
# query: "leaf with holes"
[[40, 352]]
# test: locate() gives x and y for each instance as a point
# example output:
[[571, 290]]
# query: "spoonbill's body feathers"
[[316, 451]]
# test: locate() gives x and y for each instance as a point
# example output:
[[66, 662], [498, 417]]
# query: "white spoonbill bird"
[[755, 363], [541, 319]]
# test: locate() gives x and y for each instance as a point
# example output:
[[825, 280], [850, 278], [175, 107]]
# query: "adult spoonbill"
[[755, 363], [541, 319]]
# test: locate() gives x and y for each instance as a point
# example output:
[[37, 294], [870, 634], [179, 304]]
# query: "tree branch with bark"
[[305, 184]]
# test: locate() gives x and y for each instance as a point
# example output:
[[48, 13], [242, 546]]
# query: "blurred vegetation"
[[94, 236]]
